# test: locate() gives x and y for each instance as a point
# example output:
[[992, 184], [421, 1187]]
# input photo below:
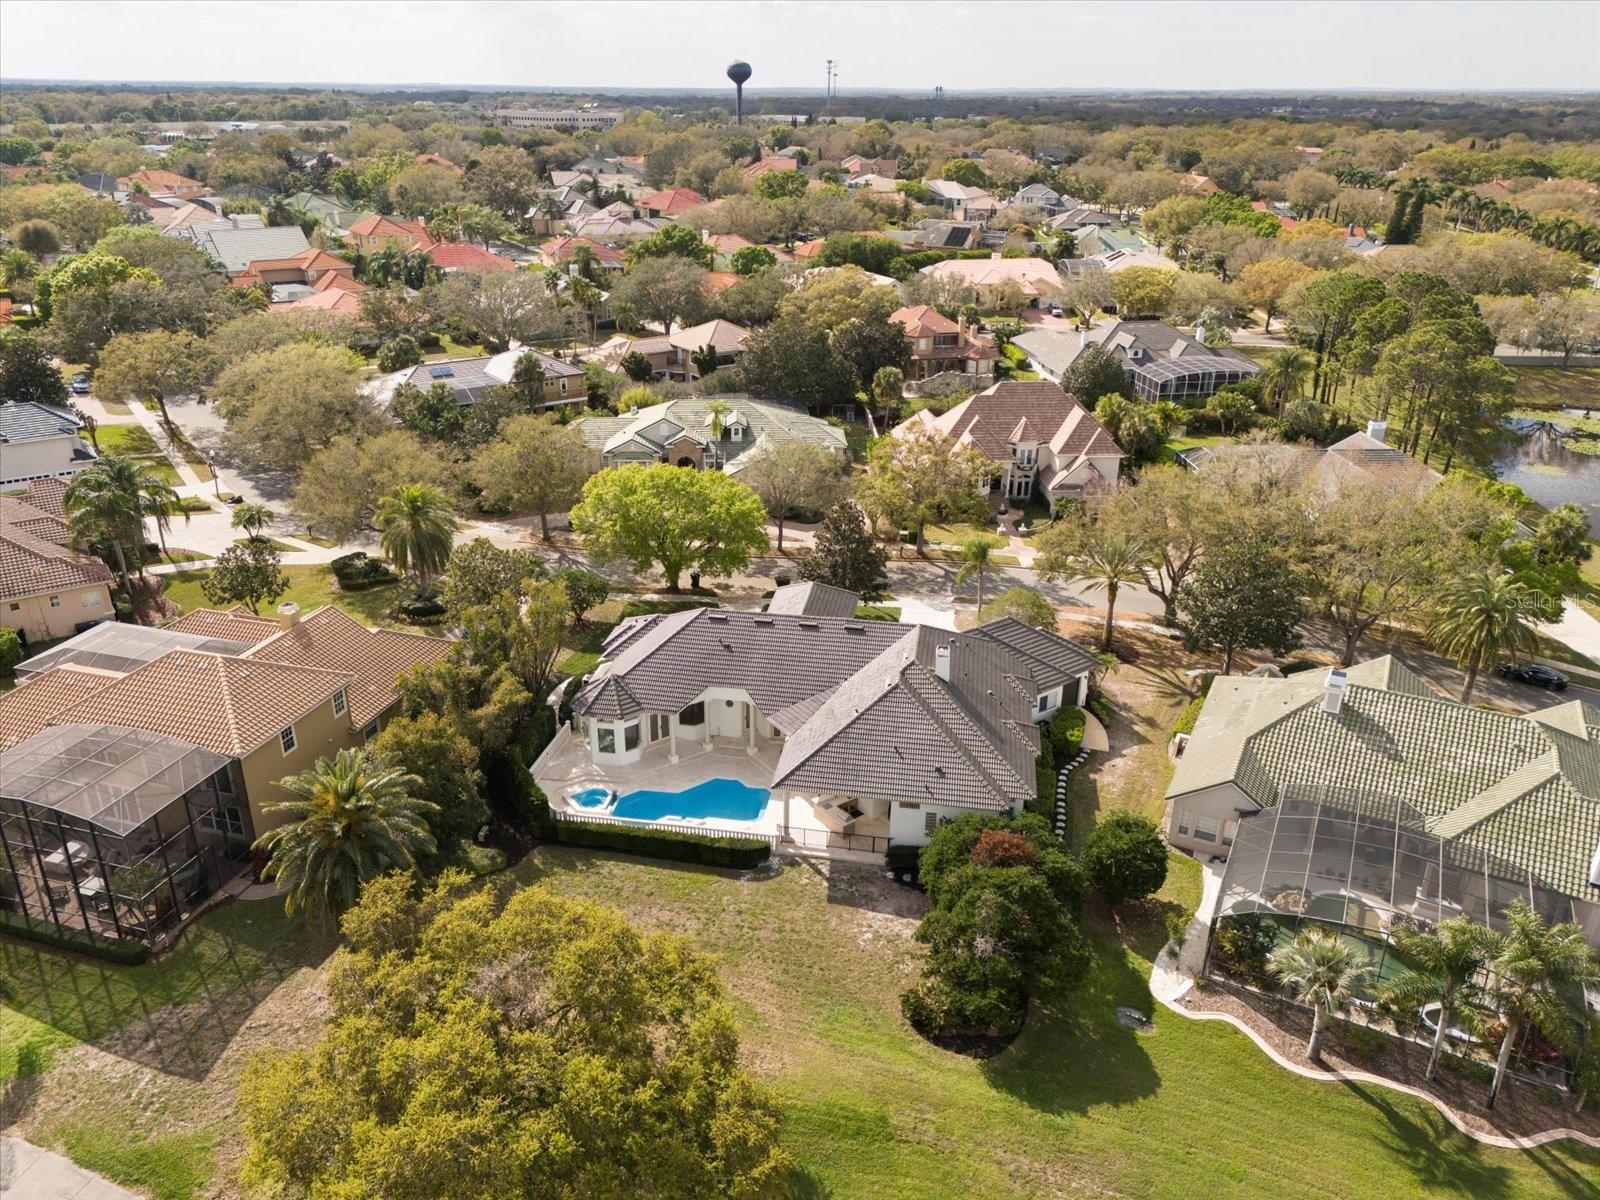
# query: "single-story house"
[[681, 432], [873, 731], [671, 355], [1162, 362], [672, 202], [235, 247], [469, 378], [1037, 278], [1364, 458], [559, 253], [1040, 442], [939, 344], [163, 183], [771, 162], [1463, 808]]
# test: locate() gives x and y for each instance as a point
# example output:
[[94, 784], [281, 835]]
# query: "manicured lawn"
[[280, 547], [310, 587], [169, 1168], [1558, 387], [134, 441]]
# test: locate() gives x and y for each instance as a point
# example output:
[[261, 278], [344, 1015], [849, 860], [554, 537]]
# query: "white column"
[[750, 716], [672, 737]]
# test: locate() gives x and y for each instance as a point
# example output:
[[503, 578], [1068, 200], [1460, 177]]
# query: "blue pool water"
[[719, 799]]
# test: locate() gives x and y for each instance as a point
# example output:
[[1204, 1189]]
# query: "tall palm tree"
[[416, 528], [1443, 963], [1286, 374], [1324, 971], [105, 507], [975, 555], [1477, 618], [717, 410], [161, 504], [252, 518], [354, 817], [1535, 973], [1103, 556]]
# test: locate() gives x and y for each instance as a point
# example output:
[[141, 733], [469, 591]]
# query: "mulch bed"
[[1521, 1110]]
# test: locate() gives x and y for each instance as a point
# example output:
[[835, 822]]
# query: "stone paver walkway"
[[29, 1172]]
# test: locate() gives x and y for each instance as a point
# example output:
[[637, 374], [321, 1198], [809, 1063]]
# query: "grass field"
[[310, 587], [1558, 387]]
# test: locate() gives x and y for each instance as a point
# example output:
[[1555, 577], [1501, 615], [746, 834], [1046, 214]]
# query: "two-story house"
[[939, 344], [1041, 443], [40, 442]]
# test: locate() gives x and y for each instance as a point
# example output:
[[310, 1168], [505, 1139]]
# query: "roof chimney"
[[1333, 692], [288, 615], [941, 661], [1377, 430]]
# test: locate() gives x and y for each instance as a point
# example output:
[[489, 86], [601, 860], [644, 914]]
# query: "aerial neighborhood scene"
[[799, 602]]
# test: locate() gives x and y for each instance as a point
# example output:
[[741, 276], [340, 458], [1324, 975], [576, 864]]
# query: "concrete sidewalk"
[[29, 1172]]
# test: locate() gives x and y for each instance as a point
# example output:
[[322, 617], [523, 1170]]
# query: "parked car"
[[80, 384], [1055, 311], [1534, 675]]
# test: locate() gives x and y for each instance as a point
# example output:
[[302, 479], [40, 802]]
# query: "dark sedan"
[[1533, 674]]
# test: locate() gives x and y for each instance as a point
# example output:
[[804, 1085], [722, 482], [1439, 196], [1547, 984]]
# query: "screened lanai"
[[119, 832], [1367, 863]]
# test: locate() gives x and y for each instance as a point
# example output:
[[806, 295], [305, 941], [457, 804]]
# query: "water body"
[[1541, 464]]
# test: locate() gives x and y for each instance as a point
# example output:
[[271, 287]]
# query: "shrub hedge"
[[358, 571], [1189, 715], [1066, 732], [81, 941], [705, 849]]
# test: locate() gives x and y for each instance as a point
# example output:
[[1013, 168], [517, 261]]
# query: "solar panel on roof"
[[440, 373]]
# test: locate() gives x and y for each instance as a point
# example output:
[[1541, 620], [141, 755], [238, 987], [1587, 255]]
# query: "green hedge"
[[705, 849], [1189, 715], [124, 953], [1066, 732]]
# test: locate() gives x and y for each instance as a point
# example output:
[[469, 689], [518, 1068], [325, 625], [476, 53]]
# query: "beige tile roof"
[[47, 494], [230, 705], [332, 640], [33, 705], [31, 566], [19, 514], [238, 625]]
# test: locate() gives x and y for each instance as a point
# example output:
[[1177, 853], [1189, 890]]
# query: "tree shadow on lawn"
[[1440, 1158], [1563, 1175], [179, 1012], [1073, 1054]]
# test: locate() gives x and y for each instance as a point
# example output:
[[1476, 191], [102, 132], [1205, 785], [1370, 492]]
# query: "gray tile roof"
[[813, 600], [860, 703], [236, 249], [1052, 659], [27, 422], [760, 423]]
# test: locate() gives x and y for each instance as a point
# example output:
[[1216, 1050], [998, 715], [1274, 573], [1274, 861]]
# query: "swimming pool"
[[712, 799]]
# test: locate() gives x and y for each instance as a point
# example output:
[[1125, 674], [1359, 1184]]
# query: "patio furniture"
[[55, 863]]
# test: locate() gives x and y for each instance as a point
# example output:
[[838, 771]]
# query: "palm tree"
[[1106, 557], [105, 507], [1535, 970], [354, 818], [1477, 618], [975, 553], [1324, 971], [161, 504], [588, 298], [1286, 373], [1444, 961], [716, 410], [416, 528], [252, 518]]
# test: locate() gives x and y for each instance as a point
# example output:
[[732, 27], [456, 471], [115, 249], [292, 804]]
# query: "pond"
[[1541, 463]]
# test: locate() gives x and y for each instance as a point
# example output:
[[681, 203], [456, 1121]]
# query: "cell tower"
[[828, 91]]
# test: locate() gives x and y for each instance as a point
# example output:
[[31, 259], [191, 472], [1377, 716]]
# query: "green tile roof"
[[1526, 788]]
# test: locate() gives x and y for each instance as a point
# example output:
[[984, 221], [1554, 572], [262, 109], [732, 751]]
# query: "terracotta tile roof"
[[718, 282], [226, 704], [238, 626], [31, 566], [332, 640], [727, 243], [47, 494], [19, 514], [672, 201], [560, 250], [463, 256], [808, 249], [160, 181], [337, 300], [330, 280], [923, 320], [988, 420], [379, 226], [440, 160], [32, 706], [775, 162]]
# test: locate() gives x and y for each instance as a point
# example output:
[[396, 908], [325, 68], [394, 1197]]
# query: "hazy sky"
[[884, 43]]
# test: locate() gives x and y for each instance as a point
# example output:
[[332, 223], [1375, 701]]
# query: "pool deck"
[[564, 768]]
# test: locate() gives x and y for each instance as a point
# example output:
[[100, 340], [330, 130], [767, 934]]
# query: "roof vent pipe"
[[941, 662], [1333, 692]]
